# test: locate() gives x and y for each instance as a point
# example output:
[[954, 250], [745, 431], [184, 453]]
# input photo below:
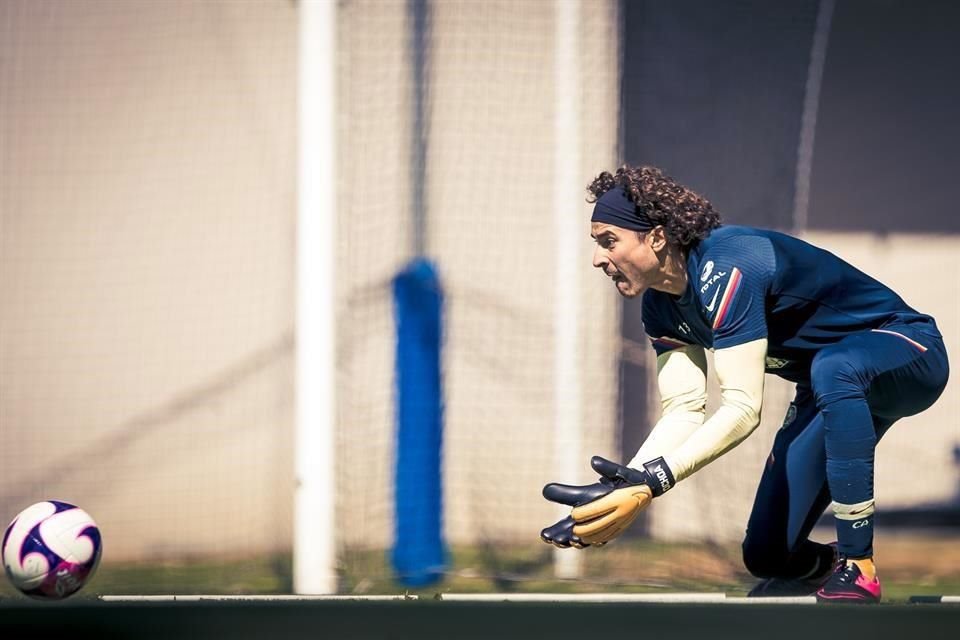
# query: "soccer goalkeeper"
[[763, 302]]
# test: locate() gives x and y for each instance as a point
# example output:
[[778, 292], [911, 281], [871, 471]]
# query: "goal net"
[[147, 278]]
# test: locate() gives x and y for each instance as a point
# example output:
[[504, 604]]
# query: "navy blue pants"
[[824, 451]]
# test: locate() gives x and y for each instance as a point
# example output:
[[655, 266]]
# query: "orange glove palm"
[[606, 518]]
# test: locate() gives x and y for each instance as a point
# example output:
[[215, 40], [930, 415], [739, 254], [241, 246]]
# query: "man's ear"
[[657, 237]]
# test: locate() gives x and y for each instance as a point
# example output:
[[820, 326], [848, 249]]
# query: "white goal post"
[[314, 544]]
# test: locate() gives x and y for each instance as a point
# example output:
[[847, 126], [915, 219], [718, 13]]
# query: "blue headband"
[[615, 207]]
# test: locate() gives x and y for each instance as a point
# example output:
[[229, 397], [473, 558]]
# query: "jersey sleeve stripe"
[[668, 343], [900, 335], [727, 301]]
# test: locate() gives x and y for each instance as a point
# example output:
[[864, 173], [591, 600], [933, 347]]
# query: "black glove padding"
[[574, 495], [612, 476], [618, 474], [561, 535]]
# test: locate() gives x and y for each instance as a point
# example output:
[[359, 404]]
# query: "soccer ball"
[[51, 549]]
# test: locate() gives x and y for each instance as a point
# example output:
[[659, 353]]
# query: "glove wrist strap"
[[661, 478]]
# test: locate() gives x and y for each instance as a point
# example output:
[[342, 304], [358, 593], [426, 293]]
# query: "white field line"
[[496, 597], [773, 600], [933, 599], [584, 597], [198, 598], [450, 597]]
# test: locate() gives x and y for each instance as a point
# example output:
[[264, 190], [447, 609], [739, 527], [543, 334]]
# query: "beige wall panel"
[[146, 233]]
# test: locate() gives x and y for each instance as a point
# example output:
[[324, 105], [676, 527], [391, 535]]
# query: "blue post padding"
[[418, 551]]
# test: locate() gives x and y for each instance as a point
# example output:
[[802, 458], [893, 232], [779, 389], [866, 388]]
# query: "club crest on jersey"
[[776, 363], [707, 268]]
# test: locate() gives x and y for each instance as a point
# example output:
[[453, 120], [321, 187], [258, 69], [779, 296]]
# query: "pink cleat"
[[848, 585]]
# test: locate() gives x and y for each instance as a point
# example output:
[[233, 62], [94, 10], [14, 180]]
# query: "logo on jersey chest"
[[711, 280]]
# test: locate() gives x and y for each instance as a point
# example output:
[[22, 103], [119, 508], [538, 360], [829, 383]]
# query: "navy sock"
[[857, 537], [850, 444]]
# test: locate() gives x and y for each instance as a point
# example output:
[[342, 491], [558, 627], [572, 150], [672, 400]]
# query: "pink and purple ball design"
[[51, 549]]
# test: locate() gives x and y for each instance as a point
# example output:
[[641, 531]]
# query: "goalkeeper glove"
[[603, 510]]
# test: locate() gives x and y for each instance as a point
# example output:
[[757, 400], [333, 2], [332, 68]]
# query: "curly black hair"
[[686, 216]]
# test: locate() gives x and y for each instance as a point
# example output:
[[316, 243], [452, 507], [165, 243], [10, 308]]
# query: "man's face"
[[626, 256]]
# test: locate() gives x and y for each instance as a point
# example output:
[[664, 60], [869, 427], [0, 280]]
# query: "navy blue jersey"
[[745, 284]]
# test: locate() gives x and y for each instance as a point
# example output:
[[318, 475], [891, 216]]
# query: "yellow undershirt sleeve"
[[740, 371], [682, 380]]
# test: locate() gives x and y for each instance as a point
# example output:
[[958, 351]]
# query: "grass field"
[[910, 564]]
